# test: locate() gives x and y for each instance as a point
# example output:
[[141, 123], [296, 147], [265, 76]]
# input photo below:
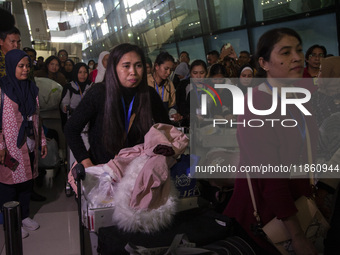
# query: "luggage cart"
[[70, 157], [68, 190], [79, 173], [70, 161], [90, 218]]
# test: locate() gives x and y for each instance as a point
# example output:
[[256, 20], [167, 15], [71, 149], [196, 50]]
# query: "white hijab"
[[101, 69]]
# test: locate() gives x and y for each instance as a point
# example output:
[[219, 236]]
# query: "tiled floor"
[[58, 218]]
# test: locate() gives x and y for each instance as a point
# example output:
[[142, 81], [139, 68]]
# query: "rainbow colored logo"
[[210, 94]]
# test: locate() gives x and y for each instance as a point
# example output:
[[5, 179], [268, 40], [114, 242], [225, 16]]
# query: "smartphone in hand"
[[10, 162]]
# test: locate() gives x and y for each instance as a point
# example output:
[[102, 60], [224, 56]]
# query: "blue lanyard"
[[81, 94], [198, 94], [127, 117], [158, 90], [301, 129]]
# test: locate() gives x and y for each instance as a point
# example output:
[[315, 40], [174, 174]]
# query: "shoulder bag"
[[311, 220]]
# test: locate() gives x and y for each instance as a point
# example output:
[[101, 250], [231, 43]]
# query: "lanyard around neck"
[[156, 85], [127, 116], [198, 93], [302, 129], [81, 93]]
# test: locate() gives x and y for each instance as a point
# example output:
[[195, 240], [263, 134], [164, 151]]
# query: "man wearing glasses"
[[63, 56]]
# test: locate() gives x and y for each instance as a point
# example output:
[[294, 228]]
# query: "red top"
[[308, 83], [93, 75], [274, 146], [306, 74]]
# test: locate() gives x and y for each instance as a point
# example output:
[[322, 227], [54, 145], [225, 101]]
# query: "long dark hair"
[[266, 44], [49, 60], [114, 136]]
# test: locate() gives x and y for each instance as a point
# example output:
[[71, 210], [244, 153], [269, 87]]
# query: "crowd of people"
[[126, 93]]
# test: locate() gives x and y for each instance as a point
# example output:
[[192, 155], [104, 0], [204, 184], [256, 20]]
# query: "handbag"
[[312, 222]]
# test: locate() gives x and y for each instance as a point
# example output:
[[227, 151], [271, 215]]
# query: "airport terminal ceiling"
[[55, 5], [176, 25]]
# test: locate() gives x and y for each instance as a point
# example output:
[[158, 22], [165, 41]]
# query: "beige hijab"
[[330, 68]]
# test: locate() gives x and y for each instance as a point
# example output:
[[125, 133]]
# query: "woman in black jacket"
[[119, 111]]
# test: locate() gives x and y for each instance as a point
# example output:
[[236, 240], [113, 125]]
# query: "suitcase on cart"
[[90, 217]]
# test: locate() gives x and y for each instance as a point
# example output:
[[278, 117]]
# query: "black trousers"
[[20, 192]]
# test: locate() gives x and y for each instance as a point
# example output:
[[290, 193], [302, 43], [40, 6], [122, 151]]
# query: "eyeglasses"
[[314, 55], [62, 55]]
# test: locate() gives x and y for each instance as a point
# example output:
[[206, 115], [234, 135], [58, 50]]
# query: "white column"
[[38, 21], [21, 23]]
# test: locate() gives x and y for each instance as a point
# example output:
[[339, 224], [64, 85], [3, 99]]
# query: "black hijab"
[[81, 85], [22, 92], [68, 75], [75, 71]]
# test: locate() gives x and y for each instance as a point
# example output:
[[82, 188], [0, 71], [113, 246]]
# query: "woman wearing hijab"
[[182, 72], [21, 135], [98, 74], [245, 77], [68, 68], [74, 91]]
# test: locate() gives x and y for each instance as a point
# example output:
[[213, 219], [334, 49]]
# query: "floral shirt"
[[2, 64], [11, 122]]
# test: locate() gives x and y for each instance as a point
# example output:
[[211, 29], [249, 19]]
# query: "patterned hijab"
[[22, 92]]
